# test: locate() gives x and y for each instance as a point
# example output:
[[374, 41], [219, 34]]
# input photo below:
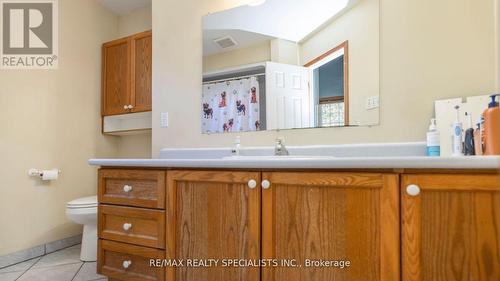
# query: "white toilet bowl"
[[84, 211]]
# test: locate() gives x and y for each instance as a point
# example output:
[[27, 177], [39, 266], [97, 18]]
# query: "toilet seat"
[[85, 202]]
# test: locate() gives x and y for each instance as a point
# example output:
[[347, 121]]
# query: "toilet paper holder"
[[39, 173]]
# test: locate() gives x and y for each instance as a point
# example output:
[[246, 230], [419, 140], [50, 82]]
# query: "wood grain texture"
[[148, 226], [216, 216], [331, 216], [148, 187], [451, 230], [111, 256], [115, 76], [141, 71]]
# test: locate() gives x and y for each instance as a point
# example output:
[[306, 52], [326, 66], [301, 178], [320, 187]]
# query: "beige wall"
[[134, 22], [137, 145], [360, 26], [51, 119], [422, 59], [253, 54]]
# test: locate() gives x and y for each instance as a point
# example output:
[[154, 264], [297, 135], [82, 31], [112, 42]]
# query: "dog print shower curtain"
[[231, 106]]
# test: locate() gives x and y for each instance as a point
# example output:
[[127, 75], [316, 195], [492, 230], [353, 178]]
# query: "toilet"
[[84, 211]]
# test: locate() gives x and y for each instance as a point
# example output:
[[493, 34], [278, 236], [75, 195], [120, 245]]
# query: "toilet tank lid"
[[84, 201]]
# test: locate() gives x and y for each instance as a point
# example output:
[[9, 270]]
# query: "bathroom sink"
[[273, 157]]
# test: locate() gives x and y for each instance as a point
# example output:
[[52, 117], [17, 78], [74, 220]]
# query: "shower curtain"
[[231, 106]]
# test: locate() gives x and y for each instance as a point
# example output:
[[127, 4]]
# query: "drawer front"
[[145, 227], [139, 188], [128, 262]]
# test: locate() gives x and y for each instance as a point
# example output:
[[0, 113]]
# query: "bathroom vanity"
[[396, 217]]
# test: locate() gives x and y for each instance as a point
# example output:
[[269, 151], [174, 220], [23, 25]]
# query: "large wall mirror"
[[290, 64]]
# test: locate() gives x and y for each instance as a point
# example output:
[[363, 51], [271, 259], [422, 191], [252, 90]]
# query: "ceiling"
[[291, 20], [123, 7]]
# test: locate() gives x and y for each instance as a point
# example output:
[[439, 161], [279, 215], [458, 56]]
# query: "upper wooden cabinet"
[[213, 215], [126, 74], [451, 227], [331, 216]]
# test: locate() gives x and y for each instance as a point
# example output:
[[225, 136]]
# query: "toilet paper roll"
[[48, 175]]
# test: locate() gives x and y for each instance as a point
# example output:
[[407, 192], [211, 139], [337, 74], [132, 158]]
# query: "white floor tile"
[[65, 256], [64, 272], [10, 276], [88, 273], [23, 266]]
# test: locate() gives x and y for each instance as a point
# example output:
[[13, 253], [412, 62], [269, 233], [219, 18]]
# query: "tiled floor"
[[63, 265]]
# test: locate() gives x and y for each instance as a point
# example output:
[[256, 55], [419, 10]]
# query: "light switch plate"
[[164, 119], [372, 102]]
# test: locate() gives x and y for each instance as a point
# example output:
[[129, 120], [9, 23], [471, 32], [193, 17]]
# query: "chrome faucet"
[[279, 148]]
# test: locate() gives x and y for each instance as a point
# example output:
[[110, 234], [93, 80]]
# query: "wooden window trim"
[[344, 45]]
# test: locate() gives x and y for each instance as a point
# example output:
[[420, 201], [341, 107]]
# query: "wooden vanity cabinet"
[[451, 227], [126, 74], [450, 224], [331, 216], [213, 215]]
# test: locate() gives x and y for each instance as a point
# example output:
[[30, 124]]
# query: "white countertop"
[[351, 156]]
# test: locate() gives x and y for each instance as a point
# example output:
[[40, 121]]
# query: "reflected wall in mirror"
[[288, 64]]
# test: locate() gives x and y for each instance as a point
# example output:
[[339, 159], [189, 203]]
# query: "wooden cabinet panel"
[[138, 226], [213, 214], [140, 188], [112, 255], [451, 229], [141, 71], [331, 216], [115, 77]]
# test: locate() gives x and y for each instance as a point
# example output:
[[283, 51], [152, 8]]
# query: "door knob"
[[126, 264], [252, 184], [413, 190], [265, 184], [125, 107], [130, 106], [127, 226], [127, 188]]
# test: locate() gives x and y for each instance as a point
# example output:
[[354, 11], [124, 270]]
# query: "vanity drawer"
[[145, 227], [128, 262], [140, 188]]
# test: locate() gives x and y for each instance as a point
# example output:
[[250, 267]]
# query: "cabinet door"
[[213, 215], [331, 216], [141, 71], [115, 77], [451, 227]]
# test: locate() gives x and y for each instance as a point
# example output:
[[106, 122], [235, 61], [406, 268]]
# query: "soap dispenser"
[[433, 144]]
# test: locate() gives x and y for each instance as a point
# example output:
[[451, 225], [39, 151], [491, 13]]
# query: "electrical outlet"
[[164, 119]]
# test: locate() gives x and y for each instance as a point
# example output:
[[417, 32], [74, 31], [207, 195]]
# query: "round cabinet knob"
[[130, 106], [127, 226], [265, 184], [413, 190], [126, 264], [252, 184], [125, 107], [127, 188]]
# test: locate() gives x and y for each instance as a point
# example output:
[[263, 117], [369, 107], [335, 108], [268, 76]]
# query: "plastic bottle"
[[433, 144], [457, 135], [492, 127]]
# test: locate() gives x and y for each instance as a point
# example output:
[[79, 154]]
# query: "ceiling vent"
[[225, 42]]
